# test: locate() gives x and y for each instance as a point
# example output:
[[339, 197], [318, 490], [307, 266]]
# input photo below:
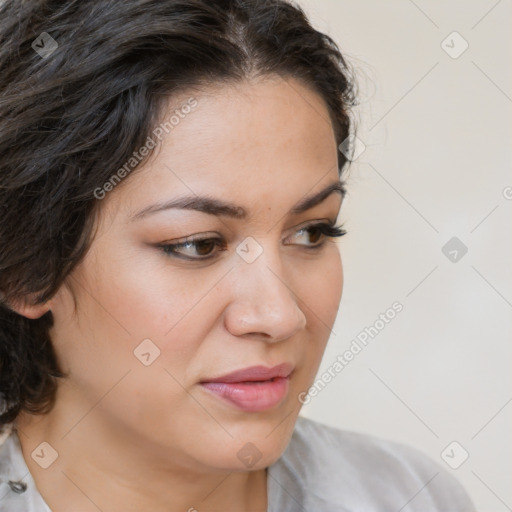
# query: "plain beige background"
[[436, 164], [437, 131]]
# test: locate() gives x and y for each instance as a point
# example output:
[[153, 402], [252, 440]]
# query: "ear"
[[27, 307]]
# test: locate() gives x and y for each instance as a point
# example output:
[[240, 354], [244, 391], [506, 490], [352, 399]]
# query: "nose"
[[263, 301]]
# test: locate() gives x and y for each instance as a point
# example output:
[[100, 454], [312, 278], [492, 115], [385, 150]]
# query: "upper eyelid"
[[200, 236]]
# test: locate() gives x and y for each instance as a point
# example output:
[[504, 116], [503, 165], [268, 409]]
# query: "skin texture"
[[132, 437]]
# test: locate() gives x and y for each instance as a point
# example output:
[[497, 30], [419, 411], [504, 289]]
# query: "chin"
[[255, 444], [249, 457]]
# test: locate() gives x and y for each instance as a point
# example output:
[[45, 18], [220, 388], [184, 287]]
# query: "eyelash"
[[326, 229]]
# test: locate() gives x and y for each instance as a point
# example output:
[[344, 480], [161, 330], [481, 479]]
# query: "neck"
[[98, 468]]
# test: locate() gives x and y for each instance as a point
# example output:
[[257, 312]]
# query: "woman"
[[170, 182]]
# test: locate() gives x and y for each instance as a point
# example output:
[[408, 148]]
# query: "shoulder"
[[353, 471]]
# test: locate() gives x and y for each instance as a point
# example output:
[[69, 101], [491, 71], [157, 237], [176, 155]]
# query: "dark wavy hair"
[[71, 118]]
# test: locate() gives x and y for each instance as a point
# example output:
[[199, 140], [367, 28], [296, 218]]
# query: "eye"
[[320, 230], [199, 249]]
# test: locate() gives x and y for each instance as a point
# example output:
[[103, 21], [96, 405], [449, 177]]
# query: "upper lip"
[[255, 373]]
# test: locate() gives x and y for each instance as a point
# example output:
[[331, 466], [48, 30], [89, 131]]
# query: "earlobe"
[[28, 309]]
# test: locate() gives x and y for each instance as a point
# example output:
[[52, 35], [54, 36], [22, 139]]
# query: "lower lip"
[[251, 396]]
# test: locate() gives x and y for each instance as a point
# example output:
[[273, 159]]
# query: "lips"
[[255, 373], [252, 389]]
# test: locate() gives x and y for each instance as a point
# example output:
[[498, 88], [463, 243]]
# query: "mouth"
[[253, 389]]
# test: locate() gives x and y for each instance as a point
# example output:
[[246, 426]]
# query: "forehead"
[[251, 141]]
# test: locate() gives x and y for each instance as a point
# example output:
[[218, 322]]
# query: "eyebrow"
[[217, 207]]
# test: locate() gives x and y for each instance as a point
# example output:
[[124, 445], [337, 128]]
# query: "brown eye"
[[205, 247], [199, 249], [317, 231]]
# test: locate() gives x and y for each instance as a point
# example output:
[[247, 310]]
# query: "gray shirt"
[[323, 469]]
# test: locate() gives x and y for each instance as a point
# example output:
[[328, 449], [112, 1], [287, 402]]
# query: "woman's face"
[[260, 295]]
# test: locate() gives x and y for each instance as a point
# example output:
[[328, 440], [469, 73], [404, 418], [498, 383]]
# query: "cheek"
[[320, 299], [119, 306], [322, 292], [146, 294], [139, 382]]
